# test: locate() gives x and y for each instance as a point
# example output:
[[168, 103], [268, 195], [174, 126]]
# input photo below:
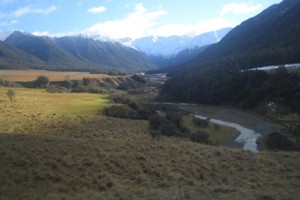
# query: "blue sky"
[[126, 18]]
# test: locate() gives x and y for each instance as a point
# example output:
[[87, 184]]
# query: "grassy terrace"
[[218, 135], [31, 75]]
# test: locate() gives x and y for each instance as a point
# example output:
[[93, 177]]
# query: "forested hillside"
[[216, 76]]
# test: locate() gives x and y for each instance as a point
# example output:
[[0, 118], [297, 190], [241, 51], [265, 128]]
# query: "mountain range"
[[174, 50], [23, 50], [84, 52], [170, 46]]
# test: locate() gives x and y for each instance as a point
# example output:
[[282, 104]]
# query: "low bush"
[[56, 89], [122, 98], [121, 111], [202, 123], [200, 137], [277, 141], [9, 84], [41, 82], [169, 125], [138, 79], [90, 89]]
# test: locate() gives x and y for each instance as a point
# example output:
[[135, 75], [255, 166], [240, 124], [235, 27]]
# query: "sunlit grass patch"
[[38, 100]]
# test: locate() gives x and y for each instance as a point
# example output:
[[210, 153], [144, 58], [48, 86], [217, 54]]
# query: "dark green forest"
[[248, 89]]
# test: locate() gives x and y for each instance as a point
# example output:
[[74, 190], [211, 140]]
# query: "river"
[[247, 136], [251, 126]]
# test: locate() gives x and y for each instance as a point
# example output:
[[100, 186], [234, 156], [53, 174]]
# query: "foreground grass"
[[49, 155]]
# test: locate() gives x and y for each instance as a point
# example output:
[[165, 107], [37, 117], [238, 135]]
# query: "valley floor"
[[246, 119], [48, 152]]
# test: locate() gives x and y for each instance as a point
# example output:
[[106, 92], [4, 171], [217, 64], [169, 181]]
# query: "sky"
[[126, 18]]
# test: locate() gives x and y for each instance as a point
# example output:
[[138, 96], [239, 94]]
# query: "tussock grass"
[[50, 155]]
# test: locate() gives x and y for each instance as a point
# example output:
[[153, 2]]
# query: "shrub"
[[175, 118], [122, 98], [138, 79], [89, 89], [217, 127], [203, 123], [136, 91], [9, 84], [155, 121], [200, 137], [277, 141], [56, 89], [120, 111], [41, 82], [11, 94], [164, 126]]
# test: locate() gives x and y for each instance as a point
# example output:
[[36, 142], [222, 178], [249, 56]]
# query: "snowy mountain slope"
[[170, 46]]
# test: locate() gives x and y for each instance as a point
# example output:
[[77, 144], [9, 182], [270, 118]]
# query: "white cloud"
[[27, 10], [41, 33], [191, 29], [240, 8], [95, 10], [142, 22], [47, 33], [12, 22], [134, 25]]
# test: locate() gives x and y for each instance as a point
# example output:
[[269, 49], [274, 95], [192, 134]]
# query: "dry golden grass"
[[86, 156], [31, 75]]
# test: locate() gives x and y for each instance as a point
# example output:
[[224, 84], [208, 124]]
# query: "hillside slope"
[[43, 48], [11, 57], [272, 37], [108, 54]]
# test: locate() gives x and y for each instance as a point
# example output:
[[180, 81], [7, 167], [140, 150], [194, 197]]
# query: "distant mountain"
[[13, 58], [170, 46], [272, 37], [174, 50], [109, 54], [76, 53], [43, 48], [215, 76], [182, 57]]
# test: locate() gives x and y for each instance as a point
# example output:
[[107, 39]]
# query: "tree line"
[[231, 86]]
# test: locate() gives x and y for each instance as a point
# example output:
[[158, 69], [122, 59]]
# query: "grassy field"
[[35, 110], [219, 135], [53, 148], [30, 75]]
